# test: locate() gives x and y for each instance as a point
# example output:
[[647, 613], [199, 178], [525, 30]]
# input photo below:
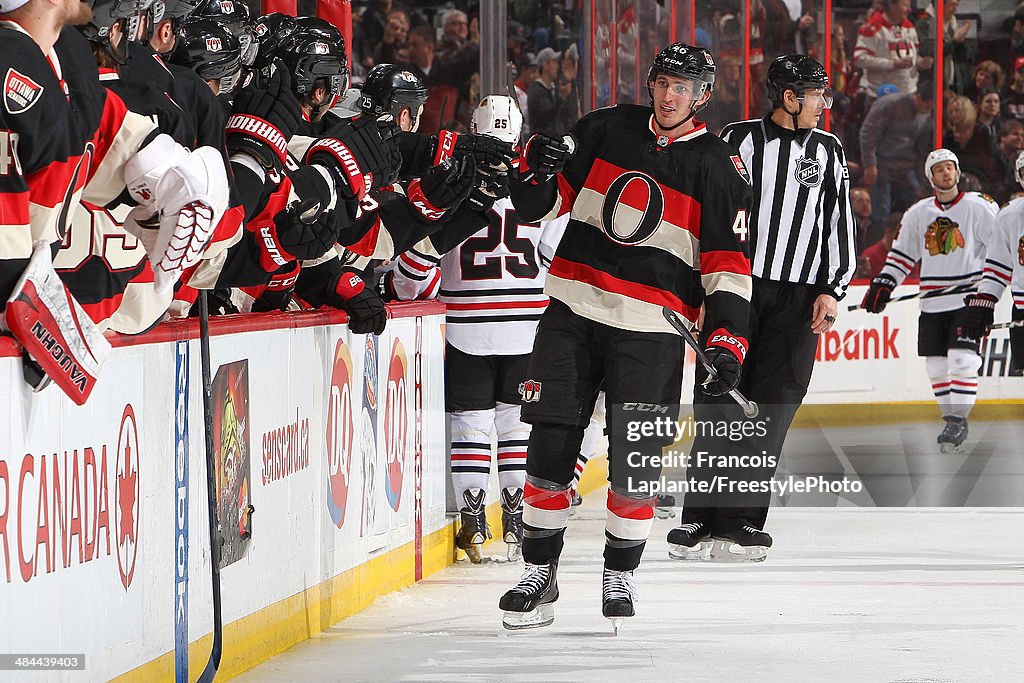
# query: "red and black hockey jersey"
[[653, 222], [59, 129]]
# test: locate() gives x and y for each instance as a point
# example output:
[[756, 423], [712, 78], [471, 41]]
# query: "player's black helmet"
[[311, 57], [797, 73], [388, 88], [235, 15], [684, 61], [271, 31], [175, 10], [322, 28], [208, 48], [105, 15]]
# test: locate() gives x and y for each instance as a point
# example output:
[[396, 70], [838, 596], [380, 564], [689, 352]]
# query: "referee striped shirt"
[[801, 225]]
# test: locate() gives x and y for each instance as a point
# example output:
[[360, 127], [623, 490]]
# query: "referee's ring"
[[830, 319]]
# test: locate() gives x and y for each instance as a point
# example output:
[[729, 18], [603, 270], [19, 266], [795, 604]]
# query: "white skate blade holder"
[[947, 448], [542, 615], [698, 553], [665, 512], [616, 624], [513, 552], [730, 551]]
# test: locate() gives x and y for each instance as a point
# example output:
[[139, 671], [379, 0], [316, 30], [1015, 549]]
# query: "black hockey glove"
[[443, 187], [303, 231], [725, 353], [879, 293], [979, 313], [366, 311], [491, 186], [391, 134], [362, 157], [544, 156], [487, 151], [263, 120], [728, 368]]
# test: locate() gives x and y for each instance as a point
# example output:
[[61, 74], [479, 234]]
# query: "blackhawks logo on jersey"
[[943, 236], [1020, 251]]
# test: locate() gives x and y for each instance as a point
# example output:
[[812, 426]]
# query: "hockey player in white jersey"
[[1004, 265], [948, 233], [493, 286]]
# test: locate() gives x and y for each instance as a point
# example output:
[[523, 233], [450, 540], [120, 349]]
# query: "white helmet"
[[499, 117], [1018, 166], [937, 156]]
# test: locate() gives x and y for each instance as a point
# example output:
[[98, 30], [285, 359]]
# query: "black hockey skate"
[[665, 508], [512, 522], [474, 530], [618, 593], [952, 438], [531, 604], [690, 541], [746, 544]]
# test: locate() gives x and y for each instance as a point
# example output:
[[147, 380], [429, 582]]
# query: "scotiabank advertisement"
[[872, 358]]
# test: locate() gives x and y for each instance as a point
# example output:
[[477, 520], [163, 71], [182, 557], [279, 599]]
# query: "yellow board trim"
[[260, 636], [864, 414]]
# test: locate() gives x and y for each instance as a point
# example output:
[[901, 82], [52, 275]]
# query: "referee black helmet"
[[797, 73]]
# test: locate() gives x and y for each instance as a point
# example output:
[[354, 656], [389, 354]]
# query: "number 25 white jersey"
[[492, 283]]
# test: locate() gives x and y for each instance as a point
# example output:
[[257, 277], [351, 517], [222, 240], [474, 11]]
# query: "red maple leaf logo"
[[126, 498]]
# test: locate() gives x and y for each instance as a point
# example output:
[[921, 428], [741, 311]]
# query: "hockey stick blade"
[[955, 289], [750, 408]]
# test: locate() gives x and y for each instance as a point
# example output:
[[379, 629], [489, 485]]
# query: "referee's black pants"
[[775, 374]]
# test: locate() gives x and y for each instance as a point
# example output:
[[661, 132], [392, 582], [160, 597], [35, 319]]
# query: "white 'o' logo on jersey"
[[633, 208]]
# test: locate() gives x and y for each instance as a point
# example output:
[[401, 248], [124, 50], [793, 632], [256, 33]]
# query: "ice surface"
[[847, 594]]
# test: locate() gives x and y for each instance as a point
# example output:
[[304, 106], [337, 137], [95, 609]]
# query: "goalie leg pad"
[[54, 330]]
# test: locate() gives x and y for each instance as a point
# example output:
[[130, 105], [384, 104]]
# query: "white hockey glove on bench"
[[182, 195]]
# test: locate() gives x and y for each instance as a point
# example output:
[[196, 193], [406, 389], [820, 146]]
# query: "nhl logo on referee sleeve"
[[529, 390], [808, 172], [20, 92]]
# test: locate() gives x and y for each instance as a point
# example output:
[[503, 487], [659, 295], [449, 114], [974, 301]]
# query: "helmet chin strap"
[[796, 116]]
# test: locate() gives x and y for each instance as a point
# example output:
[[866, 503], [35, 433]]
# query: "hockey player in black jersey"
[[77, 140], [657, 206], [316, 58]]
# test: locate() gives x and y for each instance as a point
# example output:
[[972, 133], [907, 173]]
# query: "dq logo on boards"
[[396, 424], [340, 434]]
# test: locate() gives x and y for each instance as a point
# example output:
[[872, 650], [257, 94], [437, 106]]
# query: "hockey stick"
[[211, 491], [749, 407], [953, 289], [1009, 324]]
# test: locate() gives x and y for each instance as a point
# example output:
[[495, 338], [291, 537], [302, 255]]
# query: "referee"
[[801, 237]]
